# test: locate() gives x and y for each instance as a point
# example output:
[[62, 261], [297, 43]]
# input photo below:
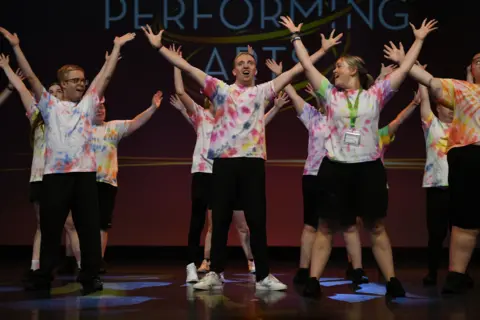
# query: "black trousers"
[[438, 224], [200, 196], [240, 179], [61, 193]]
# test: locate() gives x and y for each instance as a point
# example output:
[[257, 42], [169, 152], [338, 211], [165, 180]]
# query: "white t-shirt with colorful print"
[[315, 123], [202, 121], [106, 138], [436, 141], [239, 125], [38, 160], [365, 132], [68, 133]]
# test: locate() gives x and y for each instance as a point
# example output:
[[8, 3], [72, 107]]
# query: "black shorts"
[[35, 190], [310, 193], [463, 177], [202, 189], [351, 190], [106, 202]]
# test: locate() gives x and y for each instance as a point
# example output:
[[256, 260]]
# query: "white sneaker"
[[222, 277], [204, 267], [251, 266], [192, 273], [209, 282], [270, 283]]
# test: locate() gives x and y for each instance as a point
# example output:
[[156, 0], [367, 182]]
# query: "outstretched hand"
[[386, 70], [155, 39], [175, 101], [309, 89], [275, 67], [157, 99], [120, 41], [20, 74], [393, 53], [4, 61], [107, 56], [178, 50], [12, 38], [332, 41], [281, 100], [288, 23], [426, 27]]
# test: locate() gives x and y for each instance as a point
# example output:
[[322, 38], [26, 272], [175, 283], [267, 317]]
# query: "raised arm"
[[277, 69], [103, 78], [385, 71], [156, 41], [311, 92], [184, 97], [102, 70], [17, 83], [143, 117], [6, 93], [398, 76], [177, 103], [314, 76], [35, 83], [280, 101], [404, 114]]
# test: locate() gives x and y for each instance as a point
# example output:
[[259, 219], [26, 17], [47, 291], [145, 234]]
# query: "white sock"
[[35, 265], [79, 265]]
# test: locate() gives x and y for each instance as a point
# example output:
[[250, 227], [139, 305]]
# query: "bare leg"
[[353, 244], [36, 240], [243, 233], [382, 249], [104, 238], [321, 250], [208, 236], [462, 244], [73, 237], [306, 246]]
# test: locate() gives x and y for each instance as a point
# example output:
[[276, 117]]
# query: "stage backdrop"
[[153, 203]]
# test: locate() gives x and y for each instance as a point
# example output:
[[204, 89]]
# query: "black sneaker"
[[302, 276], [358, 277], [37, 281], [90, 285], [312, 288], [430, 279], [456, 283], [395, 288]]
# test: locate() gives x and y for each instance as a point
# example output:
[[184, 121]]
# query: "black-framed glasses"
[[78, 80]]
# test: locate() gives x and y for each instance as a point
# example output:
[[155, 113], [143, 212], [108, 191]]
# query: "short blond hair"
[[63, 71], [241, 54]]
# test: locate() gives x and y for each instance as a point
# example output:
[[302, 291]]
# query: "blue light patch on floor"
[[372, 288], [331, 279], [353, 298], [75, 303], [134, 285], [334, 283], [10, 289]]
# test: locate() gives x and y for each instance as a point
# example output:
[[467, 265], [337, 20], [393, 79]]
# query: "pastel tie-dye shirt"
[[464, 98], [202, 121], [436, 139], [370, 104], [68, 133], [314, 121], [105, 144], [38, 160], [384, 142], [239, 126]]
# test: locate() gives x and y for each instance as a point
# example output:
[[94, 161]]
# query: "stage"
[[156, 289]]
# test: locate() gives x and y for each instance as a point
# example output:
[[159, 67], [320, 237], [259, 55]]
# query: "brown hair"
[[63, 71], [366, 80]]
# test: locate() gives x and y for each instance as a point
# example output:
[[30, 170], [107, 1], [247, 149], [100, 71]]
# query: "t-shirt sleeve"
[[454, 91], [46, 104], [308, 114], [90, 102], [117, 129], [385, 137], [266, 91], [32, 113], [324, 91], [216, 90], [194, 117], [427, 123], [383, 91]]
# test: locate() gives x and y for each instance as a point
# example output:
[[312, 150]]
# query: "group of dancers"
[[344, 183]]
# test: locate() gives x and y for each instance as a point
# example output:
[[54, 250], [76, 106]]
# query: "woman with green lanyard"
[[352, 171]]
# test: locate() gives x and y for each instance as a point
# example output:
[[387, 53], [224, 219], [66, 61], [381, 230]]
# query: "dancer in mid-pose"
[[69, 180], [37, 139], [202, 119], [237, 146], [353, 153]]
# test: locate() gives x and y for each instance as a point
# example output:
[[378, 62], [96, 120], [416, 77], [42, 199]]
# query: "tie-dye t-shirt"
[[436, 139], [385, 140], [239, 125], [68, 133], [38, 160], [105, 144], [314, 121], [464, 98], [202, 121], [370, 104]]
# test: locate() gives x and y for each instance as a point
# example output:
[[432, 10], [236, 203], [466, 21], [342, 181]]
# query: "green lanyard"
[[353, 109]]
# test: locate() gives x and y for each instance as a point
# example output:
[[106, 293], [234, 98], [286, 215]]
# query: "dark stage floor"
[[157, 291]]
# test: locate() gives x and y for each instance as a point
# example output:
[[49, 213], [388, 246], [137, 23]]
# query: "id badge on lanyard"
[[352, 136]]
